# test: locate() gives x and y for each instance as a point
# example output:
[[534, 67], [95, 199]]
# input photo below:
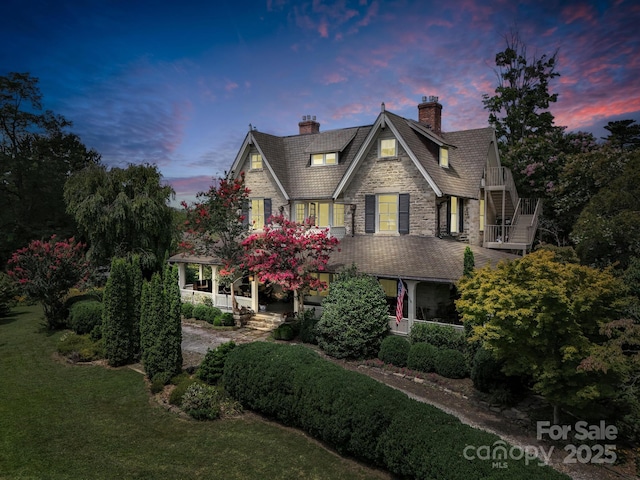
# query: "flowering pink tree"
[[289, 254], [46, 270], [216, 225]]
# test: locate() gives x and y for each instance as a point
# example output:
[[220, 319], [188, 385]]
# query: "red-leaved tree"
[[289, 254], [46, 270], [216, 225]]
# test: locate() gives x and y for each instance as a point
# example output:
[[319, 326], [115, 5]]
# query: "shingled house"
[[404, 197]]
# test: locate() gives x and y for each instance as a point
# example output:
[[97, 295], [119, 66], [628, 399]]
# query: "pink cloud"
[[573, 13], [323, 29], [188, 187], [335, 77], [230, 86]]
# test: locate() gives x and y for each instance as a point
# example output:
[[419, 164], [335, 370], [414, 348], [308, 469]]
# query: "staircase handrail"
[[534, 222]]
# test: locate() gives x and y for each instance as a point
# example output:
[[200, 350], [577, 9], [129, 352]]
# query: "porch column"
[[200, 272], [254, 294], [411, 303], [214, 284], [296, 305], [182, 275]]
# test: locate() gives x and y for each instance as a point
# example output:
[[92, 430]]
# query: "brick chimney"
[[430, 113], [309, 125]]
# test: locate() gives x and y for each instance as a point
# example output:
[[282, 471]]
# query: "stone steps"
[[265, 321]]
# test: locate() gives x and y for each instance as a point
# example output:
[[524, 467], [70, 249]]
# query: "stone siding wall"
[[396, 175], [263, 185]]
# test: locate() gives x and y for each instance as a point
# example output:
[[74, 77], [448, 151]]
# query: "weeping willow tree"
[[122, 212]]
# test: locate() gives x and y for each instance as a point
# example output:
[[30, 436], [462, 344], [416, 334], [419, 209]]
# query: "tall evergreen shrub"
[[117, 321], [160, 328]]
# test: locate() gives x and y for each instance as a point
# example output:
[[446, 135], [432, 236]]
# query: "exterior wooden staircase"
[[516, 218]]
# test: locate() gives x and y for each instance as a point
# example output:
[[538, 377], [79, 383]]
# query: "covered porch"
[[430, 267], [250, 295]]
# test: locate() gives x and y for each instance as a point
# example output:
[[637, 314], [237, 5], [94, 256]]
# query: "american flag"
[[400, 302]]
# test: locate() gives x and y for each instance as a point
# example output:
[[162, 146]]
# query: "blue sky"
[[178, 83]]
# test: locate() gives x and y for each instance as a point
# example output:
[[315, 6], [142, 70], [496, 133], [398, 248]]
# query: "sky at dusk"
[[177, 83]]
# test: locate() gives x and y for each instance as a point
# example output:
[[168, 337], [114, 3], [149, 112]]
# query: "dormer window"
[[388, 148], [444, 157], [256, 161], [324, 158]]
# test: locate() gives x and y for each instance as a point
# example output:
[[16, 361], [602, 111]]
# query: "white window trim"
[[454, 220], [251, 214], [395, 155], [387, 232], [443, 163], [324, 159], [251, 167]]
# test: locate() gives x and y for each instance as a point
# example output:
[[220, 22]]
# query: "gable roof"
[[288, 158]]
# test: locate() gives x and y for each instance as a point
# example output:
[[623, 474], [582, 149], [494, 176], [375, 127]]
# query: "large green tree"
[[607, 231], [519, 107], [623, 133], [122, 212], [543, 317], [37, 155]]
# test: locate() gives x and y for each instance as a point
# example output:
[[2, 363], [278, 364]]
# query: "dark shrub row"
[[394, 350], [442, 336], [207, 313], [423, 357], [360, 417]]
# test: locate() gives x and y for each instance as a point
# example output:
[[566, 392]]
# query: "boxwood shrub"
[[200, 311], [84, 316], [441, 336], [227, 319], [451, 363], [422, 357], [187, 309], [394, 350], [284, 331], [308, 322], [359, 417]]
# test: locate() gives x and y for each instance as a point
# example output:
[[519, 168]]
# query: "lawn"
[[89, 422]]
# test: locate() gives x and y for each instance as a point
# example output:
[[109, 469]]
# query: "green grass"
[[89, 422]]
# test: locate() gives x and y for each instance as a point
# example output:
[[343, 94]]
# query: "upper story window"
[[444, 157], [324, 158], [256, 161], [388, 147]]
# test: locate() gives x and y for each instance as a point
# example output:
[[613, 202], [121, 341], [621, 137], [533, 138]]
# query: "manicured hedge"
[[422, 357], [359, 417], [441, 336], [451, 363]]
